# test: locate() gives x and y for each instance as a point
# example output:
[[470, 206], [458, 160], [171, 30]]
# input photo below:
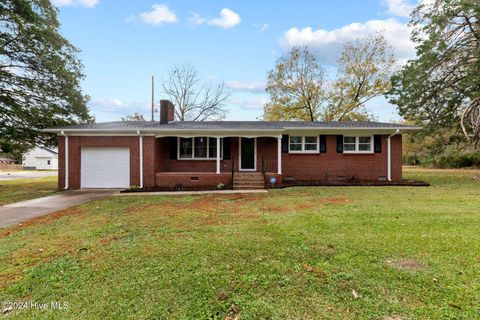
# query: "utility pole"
[[153, 98]]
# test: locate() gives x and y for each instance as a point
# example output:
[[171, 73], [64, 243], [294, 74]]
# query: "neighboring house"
[[40, 158], [181, 155], [4, 160]]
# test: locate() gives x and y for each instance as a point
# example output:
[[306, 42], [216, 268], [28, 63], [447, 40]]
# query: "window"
[[199, 148], [357, 144], [48, 162], [185, 148], [295, 143], [299, 144]]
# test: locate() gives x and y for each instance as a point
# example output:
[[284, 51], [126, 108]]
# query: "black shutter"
[[172, 141], [285, 143], [339, 144], [227, 148], [377, 143], [323, 144]]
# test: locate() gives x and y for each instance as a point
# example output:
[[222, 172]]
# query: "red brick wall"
[[319, 166], [75, 143], [305, 167], [192, 180]]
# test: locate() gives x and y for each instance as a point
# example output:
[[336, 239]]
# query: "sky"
[[124, 43]]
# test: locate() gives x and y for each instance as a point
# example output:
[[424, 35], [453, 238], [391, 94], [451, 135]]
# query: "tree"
[[194, 100], [39, 74], [296, 86], [299, 89], [134, 117], [364, 69], [441, 86]]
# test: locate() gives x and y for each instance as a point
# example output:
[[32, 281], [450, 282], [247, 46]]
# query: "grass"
[[25, 189], [300, 253]]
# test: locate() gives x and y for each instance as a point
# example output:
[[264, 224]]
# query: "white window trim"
[[193, 149], [317, 150], [357, 142]]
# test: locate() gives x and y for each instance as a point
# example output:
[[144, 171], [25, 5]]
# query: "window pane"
[[365, 139], [296, 147], [185, 147], [348, 139], [348, 147], [212, 152], [364, 147], [311, 140], [310, 147], [200, 147], [296, 140]]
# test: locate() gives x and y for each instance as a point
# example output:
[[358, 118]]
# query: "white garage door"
[[105, 168]]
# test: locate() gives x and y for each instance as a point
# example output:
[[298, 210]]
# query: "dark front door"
[[248, 154]]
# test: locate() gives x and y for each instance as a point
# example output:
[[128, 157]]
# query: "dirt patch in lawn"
[[406, 264]]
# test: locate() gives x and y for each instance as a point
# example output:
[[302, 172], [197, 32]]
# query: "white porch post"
[[218, 155], [279, 155]]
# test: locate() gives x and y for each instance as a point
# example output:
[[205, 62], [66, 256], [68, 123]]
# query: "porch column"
[[218, 155], [279, 155]]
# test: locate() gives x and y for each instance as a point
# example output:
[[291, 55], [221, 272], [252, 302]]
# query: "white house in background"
[[40, 158]]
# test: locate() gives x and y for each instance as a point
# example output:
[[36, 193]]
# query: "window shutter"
[[227, 148], [377, 143], [339, 144], [323, 144], [285, 143], [172, 141]]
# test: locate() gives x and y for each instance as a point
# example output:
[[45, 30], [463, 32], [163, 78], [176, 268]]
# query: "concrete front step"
[[248, 180], [248, 188]]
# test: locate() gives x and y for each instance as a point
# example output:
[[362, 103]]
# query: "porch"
[[210, 162]]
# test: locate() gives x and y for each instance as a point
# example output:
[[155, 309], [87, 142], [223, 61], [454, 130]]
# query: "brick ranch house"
[[174, 155]]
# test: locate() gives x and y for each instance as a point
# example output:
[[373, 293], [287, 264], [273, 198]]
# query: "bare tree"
[[134, 117], [194, 99]]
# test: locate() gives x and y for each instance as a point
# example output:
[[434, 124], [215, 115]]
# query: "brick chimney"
[[167, 111]]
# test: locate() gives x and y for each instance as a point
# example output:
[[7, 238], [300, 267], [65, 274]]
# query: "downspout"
[[141, 157], [389, 154], [66, 160]]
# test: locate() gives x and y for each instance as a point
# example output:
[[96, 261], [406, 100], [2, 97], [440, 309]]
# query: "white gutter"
[[389, 155], [66, 160], [141, 157]]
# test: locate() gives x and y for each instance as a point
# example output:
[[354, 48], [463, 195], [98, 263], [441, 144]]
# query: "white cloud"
[[195, 18], [264, 27], [246, 86], [227, 20], [250, 103], [160, 14], [400, 8], [117, 106], [82, 3], [328, 43]]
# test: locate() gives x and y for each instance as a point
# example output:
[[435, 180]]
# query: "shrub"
[[220, 186], [458, 160]]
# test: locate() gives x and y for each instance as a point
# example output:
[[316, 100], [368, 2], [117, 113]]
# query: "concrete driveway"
[[27, 174], [25, 210]]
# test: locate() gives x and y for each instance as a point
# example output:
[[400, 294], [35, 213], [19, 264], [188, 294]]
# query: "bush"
[[458, 160], [220, 186]]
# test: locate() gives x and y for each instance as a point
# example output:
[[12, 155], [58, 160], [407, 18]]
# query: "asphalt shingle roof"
[[229, 125]]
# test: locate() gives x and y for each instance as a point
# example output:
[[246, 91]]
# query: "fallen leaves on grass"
[[355, 294], [316, 271]]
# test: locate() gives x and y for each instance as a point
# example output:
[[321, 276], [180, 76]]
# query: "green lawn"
[[25, 189], [300, 253]]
